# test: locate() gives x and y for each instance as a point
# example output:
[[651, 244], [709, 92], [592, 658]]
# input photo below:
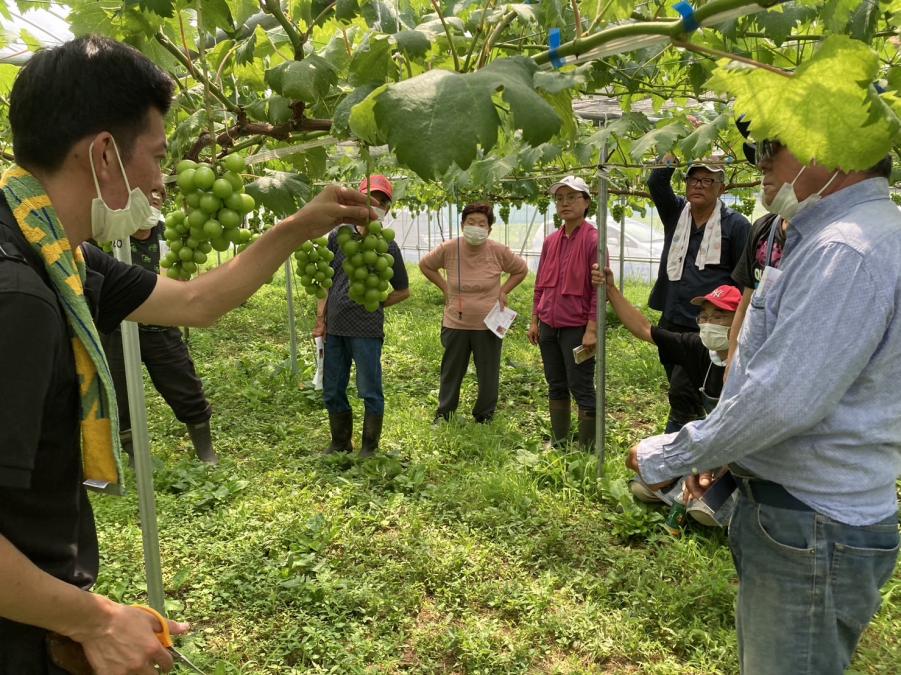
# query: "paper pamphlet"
[[499, 320]]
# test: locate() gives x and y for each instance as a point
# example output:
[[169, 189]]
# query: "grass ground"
[[466, 549]]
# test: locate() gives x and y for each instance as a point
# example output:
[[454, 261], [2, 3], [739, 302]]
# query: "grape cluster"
[[367, 263], [314, 267], [212, 206]]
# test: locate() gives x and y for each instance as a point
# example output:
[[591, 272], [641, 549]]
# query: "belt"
[[769, 493]]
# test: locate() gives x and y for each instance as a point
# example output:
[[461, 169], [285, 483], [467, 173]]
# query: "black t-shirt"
[[750, 266], [687, 350], [146, 252], [44, 510], [673, 298], [344, 316]]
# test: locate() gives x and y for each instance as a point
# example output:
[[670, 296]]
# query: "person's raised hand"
[[333, 206]]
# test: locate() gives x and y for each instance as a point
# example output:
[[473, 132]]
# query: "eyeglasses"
[[703, 182], [767, 149], [713, 317], [568, 199]]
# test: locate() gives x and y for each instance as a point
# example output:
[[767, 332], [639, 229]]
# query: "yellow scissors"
[[165, 638]]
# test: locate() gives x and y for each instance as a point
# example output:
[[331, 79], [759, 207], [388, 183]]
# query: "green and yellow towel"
[[36, 217]]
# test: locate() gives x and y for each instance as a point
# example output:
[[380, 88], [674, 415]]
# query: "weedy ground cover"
[[462, 549]]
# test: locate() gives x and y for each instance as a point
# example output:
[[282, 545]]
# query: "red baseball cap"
[[377, 183], [725, 297]]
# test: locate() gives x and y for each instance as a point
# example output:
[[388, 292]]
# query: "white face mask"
[[786, 203], [108, 224], [379, 212], [475, 235], [715, 337]]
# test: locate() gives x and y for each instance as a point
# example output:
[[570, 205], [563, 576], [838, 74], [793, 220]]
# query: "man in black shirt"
[[166, 356], [87, 170], [701, 354], [703, 240]]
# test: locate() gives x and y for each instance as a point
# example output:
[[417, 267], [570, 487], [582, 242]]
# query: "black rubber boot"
[[125, 442], [203, 443], [372, 432], [560, 421], [586, 429], [342, 428]]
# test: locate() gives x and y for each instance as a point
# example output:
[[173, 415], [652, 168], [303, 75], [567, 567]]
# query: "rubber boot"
[[372, 432], [586, 429], [342, 428], [203, 443], [559, 421], [126, 443]]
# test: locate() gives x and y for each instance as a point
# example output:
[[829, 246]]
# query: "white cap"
[[573, 182], [712, 164]]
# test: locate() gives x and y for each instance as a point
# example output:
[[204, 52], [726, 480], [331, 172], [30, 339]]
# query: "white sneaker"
[[702, 513]]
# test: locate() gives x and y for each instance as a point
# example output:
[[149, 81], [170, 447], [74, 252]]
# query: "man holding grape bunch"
[[352, 318]]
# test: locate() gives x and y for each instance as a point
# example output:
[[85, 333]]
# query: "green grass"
[[462, 549]]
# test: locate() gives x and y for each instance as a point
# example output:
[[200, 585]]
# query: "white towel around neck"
[[711, 244]]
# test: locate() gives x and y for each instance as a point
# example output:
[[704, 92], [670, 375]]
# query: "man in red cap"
[[702, 355], [354, 335]]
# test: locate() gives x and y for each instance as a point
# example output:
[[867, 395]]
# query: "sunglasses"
[[767, 149]]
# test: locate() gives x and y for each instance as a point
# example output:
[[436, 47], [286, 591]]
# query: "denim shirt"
[[812, 402]]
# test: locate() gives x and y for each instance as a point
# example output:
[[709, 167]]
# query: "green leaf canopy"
[[826, 111]]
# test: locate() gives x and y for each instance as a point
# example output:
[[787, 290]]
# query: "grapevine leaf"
[[440, 118], [699, 142], [864, 20], [362, 119], [280, 192], [837, 13], [486, 172], [371, 63], [246, 48], [279, 109], [894, 78], [242, 10], [554, 82], [308, 80], [341, 119], [346, 10], [217, 15], [382, 16], [825, 109], [662, 138], [414, 43], [8, 73], [158, 7], [777, 25]]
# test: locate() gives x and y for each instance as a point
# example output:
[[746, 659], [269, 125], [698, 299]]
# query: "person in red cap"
[[702, 355], [354, 335]]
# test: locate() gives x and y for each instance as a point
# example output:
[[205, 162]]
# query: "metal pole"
[[134, 378], [289, 289], [622, 246], [600, 361]]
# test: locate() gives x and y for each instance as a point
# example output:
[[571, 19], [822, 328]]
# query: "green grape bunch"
[[314, 267], [211, 208], [367, 263]]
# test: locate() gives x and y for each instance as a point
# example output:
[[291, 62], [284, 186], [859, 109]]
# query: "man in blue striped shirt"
[[810, 421]]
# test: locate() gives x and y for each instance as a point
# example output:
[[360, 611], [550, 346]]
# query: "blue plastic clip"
[[553, 43], [688, 16]]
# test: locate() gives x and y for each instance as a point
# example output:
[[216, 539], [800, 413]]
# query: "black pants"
[[565, 377], [485, 348], [171, 369], [23, 650], [685, 401]]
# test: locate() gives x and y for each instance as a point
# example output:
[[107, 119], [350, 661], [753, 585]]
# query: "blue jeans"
[[808, 586], [366, 353]]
